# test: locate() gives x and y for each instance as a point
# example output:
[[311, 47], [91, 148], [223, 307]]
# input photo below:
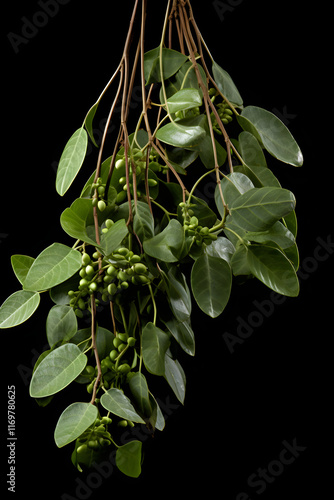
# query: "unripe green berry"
[[101, 205], [109, 223], [123, 423], [113, 354], [112, 288], [90, 270], [117, 342], [124, 368], [120, 197], [85, 259], [121, 347], [152, 182], [81, 449], [93, 286], [140, 268], [131, 341], [123, 337], [101, 190], [119, 164]]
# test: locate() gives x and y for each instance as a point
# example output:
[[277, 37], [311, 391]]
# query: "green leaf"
[[21, 265], [274, 269], [18, 307], [104, 341], [155, 343], [206, 150], [185, 133], [233, 185], [59, 293], [117, 403], [184, 78], [272, 133], [139, 389], [167, 245], [221, 248], [129, 457], [175, 377], [183, 334], [278, 234], [71, 160], [73, 220], [74, 420], [61, 324], [184, 99], [143, 222], [89, 122], [226, 85], [171, 62], [178, 294], [57, 370], [54, 265], [239, 262], [211, 281], [259, 208], [251, 151], [112, 239]]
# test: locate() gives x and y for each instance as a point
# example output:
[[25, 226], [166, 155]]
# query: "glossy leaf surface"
[[57, 370], [129, 457], [211, 281], [274, 269], [54, 265], [155, 343], [272, 133], [71, 160], [260, 208], [117, 403], [74, 420], [18, 307], [171, 62]]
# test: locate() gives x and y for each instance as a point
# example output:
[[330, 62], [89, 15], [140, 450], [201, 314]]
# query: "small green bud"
[[120, 164], [101, 205], [113, 354], [109, 223], [90, 270], [85, 259], [124, 368], [140, 268], [131, 341]]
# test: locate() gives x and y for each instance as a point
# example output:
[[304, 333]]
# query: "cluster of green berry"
[[117, 273], [95, 437], [137, 165], [201, 234], [98, 197], [115, 368]]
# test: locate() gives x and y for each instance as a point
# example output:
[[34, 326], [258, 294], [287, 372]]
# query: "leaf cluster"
[[145, 247]]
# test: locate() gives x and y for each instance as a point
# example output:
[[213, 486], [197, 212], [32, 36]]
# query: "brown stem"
[[98, 364]]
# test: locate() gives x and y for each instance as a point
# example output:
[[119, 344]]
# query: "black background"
[[240, 406]]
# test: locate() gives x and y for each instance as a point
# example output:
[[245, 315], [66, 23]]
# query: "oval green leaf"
[[73, 220], [21, 265], [129, 457], [185, 133], [54, 265], [259, 208], [226, 85], [211, 281], [61, 324], [71, 160], [167, 245], [184, 99], [139, 389], [155, 343], [272, 133], [117, 403], [274, 269], [57, 370], [113, 238], [175, 376], [18, 307], [171, 62], [74, 420]]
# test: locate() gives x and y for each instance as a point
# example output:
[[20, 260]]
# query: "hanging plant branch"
[[138, 228]]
